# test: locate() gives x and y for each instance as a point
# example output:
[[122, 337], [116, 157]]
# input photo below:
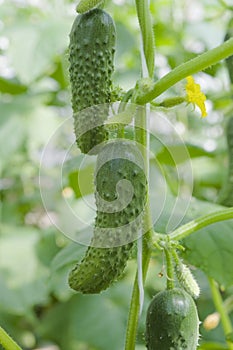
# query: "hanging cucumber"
[[121, 193], [172, 321], [91, 54]]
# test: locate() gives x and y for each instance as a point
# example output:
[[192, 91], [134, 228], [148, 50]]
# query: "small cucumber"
[[91, 54], [172, 321], [121, 194], [186, 280]]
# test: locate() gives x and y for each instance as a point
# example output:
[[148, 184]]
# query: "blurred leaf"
[[62, 263], [60, 73], [92, 320], [46, 247], [24, 278], [212, 346], [167, 154], [12, 120], [12, 86], [33, 46]]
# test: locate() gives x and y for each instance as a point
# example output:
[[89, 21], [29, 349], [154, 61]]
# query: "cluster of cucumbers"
[[172, 320], [117, 223]]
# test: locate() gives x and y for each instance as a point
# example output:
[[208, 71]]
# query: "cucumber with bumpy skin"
[[121, 193], [172, 321], [91, 54]]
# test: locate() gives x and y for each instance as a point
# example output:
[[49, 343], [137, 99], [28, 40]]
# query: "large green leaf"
[[23, 277], [33, 46], [96, 321], [211, 248], [62, 263]]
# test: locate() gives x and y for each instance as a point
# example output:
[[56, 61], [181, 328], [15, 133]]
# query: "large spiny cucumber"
[[120, 206], [91, 54]]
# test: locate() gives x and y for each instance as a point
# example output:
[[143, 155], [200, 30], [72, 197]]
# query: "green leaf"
[[12, 86], [179, 151], [33, 46], [23, 277], [211, 248], [212, 346], [62, 263], [95, 321]]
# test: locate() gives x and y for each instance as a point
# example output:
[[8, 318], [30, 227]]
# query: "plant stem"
[[193, 66], [195, 225], [141, 137], [131, 332], [7, 342], [144, 19], [170, 271], [220, 307], [132, 325]]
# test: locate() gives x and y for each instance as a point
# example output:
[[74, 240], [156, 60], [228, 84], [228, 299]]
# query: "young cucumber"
[[121, 193], [91, 54], [172, 321]]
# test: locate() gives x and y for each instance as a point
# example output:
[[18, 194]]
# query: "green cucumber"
[[118, 221], [91, 54], [172, 321], [187, 280]]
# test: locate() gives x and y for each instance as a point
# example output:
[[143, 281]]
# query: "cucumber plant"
[[123, 223], [172, 318]]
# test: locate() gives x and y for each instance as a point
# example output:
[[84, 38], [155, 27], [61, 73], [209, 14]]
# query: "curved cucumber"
[[172, 321], [121, 193], [91, 54]]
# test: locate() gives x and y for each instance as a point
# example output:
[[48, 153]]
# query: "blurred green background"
[[36, 305]]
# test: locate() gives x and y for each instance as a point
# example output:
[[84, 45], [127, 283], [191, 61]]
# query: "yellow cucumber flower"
[[195, 95]]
